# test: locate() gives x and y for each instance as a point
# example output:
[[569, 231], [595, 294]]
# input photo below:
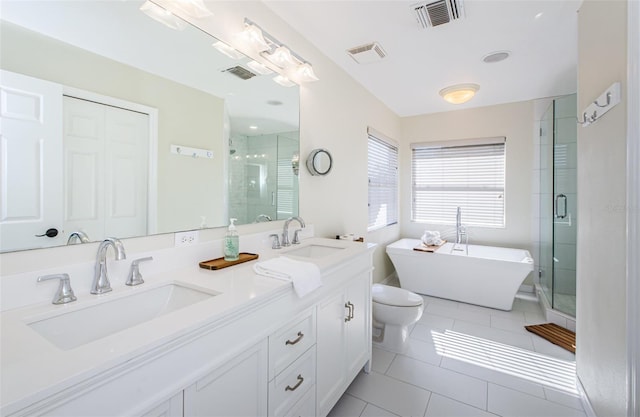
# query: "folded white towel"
[[305, 276], [431, 238]]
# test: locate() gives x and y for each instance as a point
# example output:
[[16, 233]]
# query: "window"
[[286, 188], [467, 174], [383, 181]]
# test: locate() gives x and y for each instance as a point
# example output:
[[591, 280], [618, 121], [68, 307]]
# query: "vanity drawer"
[[305, 407], [291, 341], [289, 386]]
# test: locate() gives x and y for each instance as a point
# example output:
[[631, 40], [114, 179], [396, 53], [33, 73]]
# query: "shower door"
[[558, 203], [546, 209], [565, 204]]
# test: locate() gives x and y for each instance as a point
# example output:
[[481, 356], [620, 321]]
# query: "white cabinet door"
[[343, 341], [359, 325], [331, 347], [238, 388], [170, 408], [30, 161]]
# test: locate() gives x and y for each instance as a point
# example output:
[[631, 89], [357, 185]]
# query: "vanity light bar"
[[296, 69]]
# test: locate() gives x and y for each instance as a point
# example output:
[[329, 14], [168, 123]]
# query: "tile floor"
[[465, 360]]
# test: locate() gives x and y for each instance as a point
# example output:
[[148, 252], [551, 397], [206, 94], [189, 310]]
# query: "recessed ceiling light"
[[459, 93], [538, 16], [252, 127], [496, 56]]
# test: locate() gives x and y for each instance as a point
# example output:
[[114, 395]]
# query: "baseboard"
[[390, 278], [527, 288], [584, 399]]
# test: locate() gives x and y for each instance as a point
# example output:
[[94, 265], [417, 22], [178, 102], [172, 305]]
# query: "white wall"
[[601, 354], [334, 114], [515, 122]]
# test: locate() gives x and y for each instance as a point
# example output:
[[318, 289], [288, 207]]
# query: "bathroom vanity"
[[196, 342]]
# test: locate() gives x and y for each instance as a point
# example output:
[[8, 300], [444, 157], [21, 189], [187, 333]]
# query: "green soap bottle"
[[232, 242]]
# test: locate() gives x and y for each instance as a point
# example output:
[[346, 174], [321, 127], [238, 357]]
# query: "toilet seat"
[[394, 296]]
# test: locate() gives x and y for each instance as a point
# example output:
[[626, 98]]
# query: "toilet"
[[394, 310]]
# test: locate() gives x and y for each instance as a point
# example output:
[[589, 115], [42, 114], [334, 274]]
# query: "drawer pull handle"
[[296, 340], [295, 387], [352, 311]]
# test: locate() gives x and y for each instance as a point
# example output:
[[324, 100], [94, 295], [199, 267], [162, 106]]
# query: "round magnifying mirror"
[[319, 162]]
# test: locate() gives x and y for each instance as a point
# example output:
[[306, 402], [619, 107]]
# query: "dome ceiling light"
[[459, 93]]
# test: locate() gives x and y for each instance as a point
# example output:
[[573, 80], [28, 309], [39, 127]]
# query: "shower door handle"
[[557, 206]]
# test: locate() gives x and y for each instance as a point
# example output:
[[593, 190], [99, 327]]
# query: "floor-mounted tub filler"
[[482, 275]]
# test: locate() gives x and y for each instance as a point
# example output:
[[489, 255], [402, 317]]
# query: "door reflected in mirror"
[[87, 173]]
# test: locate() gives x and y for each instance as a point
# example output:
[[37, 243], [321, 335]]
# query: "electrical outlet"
[[186, 238]]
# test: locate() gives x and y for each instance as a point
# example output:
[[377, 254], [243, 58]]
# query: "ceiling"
[[541, 36]]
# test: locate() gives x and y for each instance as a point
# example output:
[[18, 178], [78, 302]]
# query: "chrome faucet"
[[461, 232], [262, 218], [80, 236], [101, 282], [285, 231]]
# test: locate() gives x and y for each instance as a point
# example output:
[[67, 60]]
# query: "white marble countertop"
[[32, 368]]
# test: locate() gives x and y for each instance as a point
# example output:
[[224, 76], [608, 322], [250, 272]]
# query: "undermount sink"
[[84, 325], [314, 251]]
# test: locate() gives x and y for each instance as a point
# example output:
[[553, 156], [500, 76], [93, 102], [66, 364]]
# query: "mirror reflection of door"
[[30, 155], [105, 169]]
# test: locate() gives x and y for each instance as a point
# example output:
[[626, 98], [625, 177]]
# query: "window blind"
[[285, 200], [383, 183], [470, 176]]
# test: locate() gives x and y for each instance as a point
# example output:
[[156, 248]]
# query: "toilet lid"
[[394, 296]]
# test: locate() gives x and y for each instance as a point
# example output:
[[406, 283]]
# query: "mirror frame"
[[314, 168]]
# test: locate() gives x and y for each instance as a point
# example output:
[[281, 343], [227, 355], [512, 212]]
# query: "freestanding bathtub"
[[485, 275]]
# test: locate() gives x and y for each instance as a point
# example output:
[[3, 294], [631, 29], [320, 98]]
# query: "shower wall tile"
[[565, 281], [566, 107], [545, 152], [566, 180], [566, 232], [566, 130], [565, 255], [565, 155]]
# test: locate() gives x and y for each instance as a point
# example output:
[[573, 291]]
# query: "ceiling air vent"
[[367, 54], [435, 13], [240, 72]]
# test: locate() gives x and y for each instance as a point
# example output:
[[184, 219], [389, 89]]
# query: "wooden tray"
[[428, 248], [220, 263]]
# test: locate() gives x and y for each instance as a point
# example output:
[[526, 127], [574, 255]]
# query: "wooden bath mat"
[[557, 335]]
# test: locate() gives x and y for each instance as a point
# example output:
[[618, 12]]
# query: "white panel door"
[[84, 160], [106, 169], [31, 161], [127, 144]]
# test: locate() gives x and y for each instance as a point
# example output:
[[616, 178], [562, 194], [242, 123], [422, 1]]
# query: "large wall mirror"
[[116, 125]]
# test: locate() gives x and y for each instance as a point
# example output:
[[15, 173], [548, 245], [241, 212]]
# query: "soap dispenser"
[[231, 242]]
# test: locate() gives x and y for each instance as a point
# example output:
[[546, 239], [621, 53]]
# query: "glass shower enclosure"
[[558, 204], [262, 183]]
